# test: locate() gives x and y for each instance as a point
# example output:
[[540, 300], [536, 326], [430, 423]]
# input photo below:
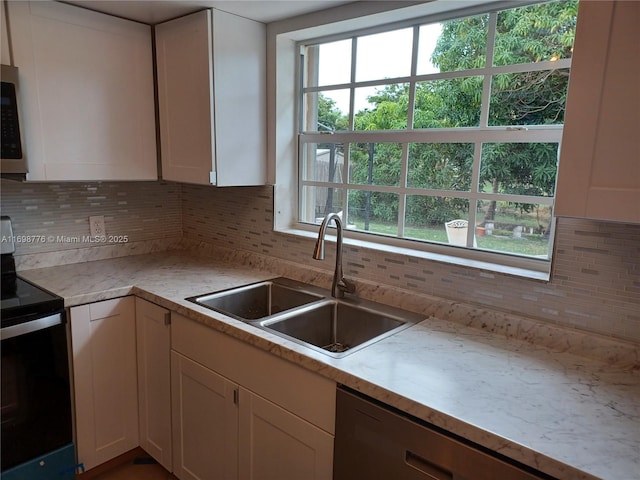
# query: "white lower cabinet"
[[153, 329], [105, 380], [205, 405], [241, 413], [276, 444], [205, 420]]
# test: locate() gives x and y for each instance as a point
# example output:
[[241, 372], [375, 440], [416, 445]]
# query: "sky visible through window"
[[379, 56]]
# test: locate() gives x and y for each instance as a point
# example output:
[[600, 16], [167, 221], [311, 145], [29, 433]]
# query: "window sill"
[[460, 261]]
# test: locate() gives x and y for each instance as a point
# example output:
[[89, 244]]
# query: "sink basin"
[[309, 315], [259, 300], [338, 327]]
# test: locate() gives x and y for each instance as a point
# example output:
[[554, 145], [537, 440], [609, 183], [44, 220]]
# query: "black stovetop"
[[27, 302]]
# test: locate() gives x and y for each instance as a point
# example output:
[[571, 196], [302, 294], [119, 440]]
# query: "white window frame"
[[284, 40]]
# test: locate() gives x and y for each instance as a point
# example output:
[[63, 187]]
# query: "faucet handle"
[[346, 286]]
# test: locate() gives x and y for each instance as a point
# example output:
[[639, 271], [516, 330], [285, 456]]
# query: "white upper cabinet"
[[599, 175], [5, 56], [212, 99], [86, 82]]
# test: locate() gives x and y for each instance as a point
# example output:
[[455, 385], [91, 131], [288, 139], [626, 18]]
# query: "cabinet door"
[[5, 56], [294, 388], [105, 381], [275, 443], [205, 422], [240, 76], [599, 175], [154, 380], [212, 99], [185, 98], [87, 93]]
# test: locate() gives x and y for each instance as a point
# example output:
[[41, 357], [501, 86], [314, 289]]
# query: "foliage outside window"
[[406, 130]]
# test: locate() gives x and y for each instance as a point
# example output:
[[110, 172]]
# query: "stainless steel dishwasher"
[[375, 442]]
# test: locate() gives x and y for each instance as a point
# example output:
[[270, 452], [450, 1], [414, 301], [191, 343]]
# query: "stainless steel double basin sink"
[[309, 316]]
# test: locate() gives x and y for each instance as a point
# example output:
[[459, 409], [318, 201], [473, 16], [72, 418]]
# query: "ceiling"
[[155, 11]]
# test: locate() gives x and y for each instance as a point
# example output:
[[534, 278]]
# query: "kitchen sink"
[[259, 300], [338, 328], [309, 315]]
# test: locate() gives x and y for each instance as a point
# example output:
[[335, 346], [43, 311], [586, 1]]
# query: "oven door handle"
[[32, 326]]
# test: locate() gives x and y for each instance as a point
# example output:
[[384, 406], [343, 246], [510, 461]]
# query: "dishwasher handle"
[[425, 466]]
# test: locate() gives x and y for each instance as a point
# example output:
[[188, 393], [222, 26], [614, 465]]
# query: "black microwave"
[[12, 151]]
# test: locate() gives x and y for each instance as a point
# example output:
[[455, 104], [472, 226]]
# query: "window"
[[418, 133]]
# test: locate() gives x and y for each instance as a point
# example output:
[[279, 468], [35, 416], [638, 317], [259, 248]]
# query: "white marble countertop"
[[568, 415]]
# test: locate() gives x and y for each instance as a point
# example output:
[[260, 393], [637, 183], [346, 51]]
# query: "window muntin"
[[411, 159]]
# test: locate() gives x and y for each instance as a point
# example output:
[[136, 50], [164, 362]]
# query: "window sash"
[[477, 135]]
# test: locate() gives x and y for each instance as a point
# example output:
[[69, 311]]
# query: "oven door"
[[36, 394]]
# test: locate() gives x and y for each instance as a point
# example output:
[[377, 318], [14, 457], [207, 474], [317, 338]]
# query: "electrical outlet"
[[96, 226]]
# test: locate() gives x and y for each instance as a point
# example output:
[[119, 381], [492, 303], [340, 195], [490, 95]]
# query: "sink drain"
[[336, 347]]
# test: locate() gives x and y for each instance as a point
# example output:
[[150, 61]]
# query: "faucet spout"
[[340, 285]]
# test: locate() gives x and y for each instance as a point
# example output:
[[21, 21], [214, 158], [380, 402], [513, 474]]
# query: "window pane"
[[381, 108], [443, 166], [361, 102], [334, 63], [326, 111], [373, 212], [323, 162], [454, 102], [535, 33], [384, 55], [375, 163], [519, 168], [514, 228], [529, 98], [316, 202], [425, 218], [454, 45]]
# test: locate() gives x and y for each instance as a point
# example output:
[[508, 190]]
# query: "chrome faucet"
[[340, 284]]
